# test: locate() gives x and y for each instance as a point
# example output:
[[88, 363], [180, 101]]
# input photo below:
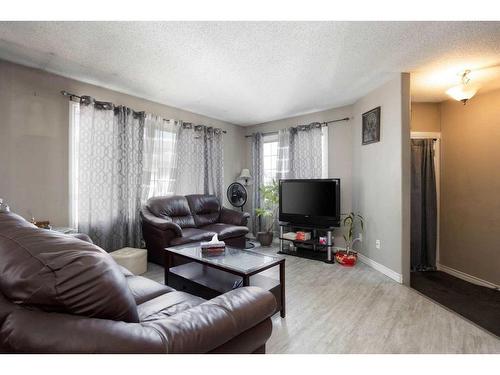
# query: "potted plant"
[[348, 257], [270, 200]]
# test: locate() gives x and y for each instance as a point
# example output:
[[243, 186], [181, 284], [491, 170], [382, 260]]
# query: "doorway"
[[425, 207], [477, 303]]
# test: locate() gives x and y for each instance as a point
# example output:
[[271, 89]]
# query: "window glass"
[[270, 158]]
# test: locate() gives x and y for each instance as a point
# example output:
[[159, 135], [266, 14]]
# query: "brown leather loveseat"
[[176, 220], [59, 294]]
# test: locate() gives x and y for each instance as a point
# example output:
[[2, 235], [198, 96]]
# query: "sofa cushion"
[[167, 305], [226, 230], [144, 289], [204, 208], [192, 235], [175, 208], [46, 270]]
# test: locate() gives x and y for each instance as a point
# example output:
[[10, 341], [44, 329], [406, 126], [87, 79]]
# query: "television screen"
[[315, 202]]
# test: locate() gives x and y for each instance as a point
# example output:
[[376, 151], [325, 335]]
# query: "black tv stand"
[[310, 249]]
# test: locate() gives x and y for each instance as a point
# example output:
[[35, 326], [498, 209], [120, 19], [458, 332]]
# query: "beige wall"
[[34, 152], [376, 177], [470, 186], [339, 149], [34, 138], [381, 175], [425, 117]]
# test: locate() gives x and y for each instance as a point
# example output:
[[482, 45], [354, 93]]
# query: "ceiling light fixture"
[[464, 91]]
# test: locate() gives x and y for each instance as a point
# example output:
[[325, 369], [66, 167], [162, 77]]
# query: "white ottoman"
[[135, 260]]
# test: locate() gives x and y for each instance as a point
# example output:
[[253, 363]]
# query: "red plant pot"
[[345, 259]]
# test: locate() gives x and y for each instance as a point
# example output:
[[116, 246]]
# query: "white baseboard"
[[381, 268], [467, 277]]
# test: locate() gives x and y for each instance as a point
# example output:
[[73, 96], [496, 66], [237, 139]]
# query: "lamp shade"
[[465, 91], [462, 92], [245, 174]]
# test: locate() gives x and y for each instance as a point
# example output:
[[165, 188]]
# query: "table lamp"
[[245, 176]]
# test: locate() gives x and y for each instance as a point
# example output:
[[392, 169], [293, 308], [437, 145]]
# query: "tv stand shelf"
[[313, 242], [310, 249]]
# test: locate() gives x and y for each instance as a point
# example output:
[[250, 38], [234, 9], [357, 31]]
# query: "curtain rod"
[[72, 96], [325, 123]]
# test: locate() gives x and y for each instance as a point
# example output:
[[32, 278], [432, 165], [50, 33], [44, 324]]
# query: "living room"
[[248, 187]]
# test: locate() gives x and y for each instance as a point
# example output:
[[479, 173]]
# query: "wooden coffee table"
[[208, 276]]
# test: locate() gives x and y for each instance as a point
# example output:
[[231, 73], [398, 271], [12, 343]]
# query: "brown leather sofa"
[[176, 220], [59, 294]]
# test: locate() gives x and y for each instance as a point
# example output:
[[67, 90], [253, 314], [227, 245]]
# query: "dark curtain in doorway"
[[423, 206]]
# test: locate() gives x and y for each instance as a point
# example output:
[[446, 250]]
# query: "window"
[[270, 158], [159, 159]]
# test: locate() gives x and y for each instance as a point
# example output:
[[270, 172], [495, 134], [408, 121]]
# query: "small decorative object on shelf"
[[303, 236], [290, 236], [213, 247], [4, 208], [45, 224]]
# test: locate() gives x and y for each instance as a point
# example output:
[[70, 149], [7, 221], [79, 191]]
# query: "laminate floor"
[[335, 309]]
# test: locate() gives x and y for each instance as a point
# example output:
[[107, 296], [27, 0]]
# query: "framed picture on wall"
[[371, 126]]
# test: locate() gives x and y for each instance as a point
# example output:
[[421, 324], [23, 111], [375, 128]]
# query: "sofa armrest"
[[160, 223], [27, 331], [228, 216], [211, 324]]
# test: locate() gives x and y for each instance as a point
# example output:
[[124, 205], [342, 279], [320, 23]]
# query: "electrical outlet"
[[377, 244]]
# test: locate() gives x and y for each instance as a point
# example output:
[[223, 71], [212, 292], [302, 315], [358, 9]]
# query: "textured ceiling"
[[252, 72]]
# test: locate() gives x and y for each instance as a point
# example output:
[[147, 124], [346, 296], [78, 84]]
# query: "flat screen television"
[[314, 202]]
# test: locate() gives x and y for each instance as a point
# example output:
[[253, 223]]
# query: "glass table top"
[[239, 260]]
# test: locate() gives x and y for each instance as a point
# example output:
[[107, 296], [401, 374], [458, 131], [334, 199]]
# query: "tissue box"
[[214, 247], [213, 250]]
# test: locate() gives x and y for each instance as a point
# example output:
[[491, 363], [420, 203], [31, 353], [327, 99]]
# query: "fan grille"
[[237, 194]]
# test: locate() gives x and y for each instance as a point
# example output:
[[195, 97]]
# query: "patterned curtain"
[[110, 164], [307, 152], [200, 160], [122, 158], [160, 151], [258, 173], [214, 163], [284, 167]]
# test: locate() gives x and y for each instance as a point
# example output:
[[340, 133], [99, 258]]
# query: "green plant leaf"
[[269, 203]]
